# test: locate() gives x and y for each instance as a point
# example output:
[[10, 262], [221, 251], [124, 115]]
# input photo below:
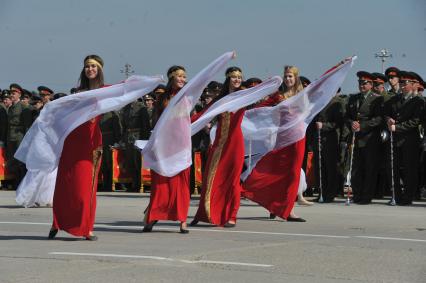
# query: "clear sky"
[[44, 42]]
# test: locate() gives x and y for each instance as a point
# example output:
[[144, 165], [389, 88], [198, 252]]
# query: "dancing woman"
[[220, 197], [277, 190], [74, 201], [170, 196]]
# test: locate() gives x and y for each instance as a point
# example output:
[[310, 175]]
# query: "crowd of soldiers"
[[371, 142]]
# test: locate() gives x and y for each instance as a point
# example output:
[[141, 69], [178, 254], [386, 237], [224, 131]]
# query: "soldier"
[[3, 120], [20, 120], [45, 93], [391, 74], [7, 101], [26, 97], [159, 90], [403, 114], [383, 185], [111, 133], [135, 122], [364, 118], [37, 105], [344, 154], [327, 123], [423, 147], [418, 82], [149, 107]]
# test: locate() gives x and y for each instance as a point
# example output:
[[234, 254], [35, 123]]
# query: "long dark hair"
[[163, 99], [172, 78], [225, 87], [84, 83]]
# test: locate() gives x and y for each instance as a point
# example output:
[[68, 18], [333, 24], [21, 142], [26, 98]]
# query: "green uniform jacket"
[[111, 128], [368, 111], [406, 111], [20, 120]]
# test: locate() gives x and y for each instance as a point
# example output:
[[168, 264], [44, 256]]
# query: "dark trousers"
[[406, 162], [329, 162], [14, 166], [106, 168], [133, 165], [364, 172]]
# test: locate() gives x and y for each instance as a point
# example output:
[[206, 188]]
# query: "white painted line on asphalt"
[[392, 239], [236, 231], [163, 259], [232, 263], [272, 233]]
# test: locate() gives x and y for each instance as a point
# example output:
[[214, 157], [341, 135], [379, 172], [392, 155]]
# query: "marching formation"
[[255, 139]]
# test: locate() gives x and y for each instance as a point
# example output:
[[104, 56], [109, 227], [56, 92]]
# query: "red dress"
[[220, 197], [274, 181], [74, 201], [170, 196]]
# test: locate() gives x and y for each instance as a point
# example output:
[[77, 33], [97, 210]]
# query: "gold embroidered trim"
[[224, 131], [96, 158]]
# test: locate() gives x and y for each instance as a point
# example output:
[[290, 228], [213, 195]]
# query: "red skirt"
[[274, 181], [74, 200], [170, 197]]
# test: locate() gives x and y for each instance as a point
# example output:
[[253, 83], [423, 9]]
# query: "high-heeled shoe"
[[148, 227], [229, 225], [295, 219], [183, 229], [91, 238], [52, 234]]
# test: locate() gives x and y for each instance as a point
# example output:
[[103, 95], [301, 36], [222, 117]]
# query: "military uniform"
[[366, 108], [344, 154], [383, 186], [406, 110], [135, 120], [19, 121], [331, 118], [111, 133], [390, 73], [3, 125]]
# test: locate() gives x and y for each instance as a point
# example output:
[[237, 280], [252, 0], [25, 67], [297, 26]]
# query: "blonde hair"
[[289, 92]]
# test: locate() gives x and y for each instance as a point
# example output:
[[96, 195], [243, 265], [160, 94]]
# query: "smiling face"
[[289, 79], [235, 81], [179, 80], [91, 71]]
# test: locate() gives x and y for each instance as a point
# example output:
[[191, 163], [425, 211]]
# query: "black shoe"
[[52, 234], [91, 238], [295, 219], [229, 225], [404, 203], [272, 216], [193, 223], [148, 227], [356, 200], [183, 231]]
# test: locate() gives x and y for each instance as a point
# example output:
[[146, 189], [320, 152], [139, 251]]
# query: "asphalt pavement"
[[338, 243]]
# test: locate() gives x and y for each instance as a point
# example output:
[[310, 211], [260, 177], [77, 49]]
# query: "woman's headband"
[[92, 61]]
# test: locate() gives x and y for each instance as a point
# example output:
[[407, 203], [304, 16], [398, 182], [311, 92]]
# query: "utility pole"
[[127, 70], [383, 55]]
